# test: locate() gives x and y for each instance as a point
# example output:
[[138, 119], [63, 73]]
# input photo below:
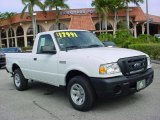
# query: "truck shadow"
[[101, 104], [45, 88]]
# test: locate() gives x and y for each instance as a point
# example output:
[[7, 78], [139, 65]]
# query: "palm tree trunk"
[[127, 16], [35, 23], [57, 19], [34, 29], [115, 22], [50, 8], [100, 24], [106, 27], [11, 36]]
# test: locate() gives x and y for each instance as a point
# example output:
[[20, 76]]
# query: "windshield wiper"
[[94, 45], [72, 47]]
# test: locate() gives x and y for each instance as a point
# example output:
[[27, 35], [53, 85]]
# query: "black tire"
[[89, 100], [20, 82]]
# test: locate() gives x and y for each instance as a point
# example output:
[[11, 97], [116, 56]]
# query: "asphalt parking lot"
[[45, 102]]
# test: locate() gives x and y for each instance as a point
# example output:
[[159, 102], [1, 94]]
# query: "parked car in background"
[[157, 35], [2, 60], [11, 50], [109, 44]]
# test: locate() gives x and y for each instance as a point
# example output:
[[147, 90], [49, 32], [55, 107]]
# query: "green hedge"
[[105, 37], [152, 49], [29, 48]]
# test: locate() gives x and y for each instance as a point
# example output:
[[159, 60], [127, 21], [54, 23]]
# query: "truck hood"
[[107, 55]]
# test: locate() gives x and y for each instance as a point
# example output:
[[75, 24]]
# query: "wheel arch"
[[15, 66], [73, 73]]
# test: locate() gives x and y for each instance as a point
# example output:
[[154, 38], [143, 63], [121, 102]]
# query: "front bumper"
[[122, 85]]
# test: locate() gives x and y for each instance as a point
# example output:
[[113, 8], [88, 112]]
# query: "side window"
[[45, 41]]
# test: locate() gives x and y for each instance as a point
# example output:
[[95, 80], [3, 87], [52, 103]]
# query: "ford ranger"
[[77, 60]]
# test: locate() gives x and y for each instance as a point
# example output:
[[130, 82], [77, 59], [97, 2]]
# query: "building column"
[[158, 29], [135, 30], [143, 28], [7, 38], [15, 36], [0, 39], [25, 37]]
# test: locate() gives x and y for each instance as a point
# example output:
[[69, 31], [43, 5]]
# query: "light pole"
[[148, 32]]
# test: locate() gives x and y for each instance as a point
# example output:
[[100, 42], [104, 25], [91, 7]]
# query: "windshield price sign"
[[66, 34]]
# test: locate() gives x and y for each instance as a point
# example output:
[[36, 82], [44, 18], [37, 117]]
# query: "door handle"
[[35, 59]]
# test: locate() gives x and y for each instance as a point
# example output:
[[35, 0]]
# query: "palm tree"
[[7, 15], [29, 4], [136, 2], [56, 4], [114, 6], [102, 8]]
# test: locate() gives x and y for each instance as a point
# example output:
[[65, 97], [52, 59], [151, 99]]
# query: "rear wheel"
[[19, 81], [80, 93]]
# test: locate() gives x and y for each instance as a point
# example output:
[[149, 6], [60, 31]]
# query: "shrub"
[[153, 49], [105, 37], [29, 48], [146, 39], [123, 38]]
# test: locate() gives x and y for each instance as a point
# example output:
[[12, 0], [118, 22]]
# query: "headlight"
[[110, 68], [149, 62]]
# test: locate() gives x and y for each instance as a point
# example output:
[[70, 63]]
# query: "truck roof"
[[53, 31]]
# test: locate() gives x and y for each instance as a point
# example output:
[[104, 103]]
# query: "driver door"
[[44, 65]]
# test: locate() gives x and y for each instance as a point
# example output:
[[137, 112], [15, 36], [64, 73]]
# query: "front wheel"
[[80, 93], [19, 81]]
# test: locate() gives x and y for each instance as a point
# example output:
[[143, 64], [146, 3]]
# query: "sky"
[[17, 6]]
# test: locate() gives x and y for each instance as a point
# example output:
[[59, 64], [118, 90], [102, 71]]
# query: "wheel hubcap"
[[17, 80], [77, 94]]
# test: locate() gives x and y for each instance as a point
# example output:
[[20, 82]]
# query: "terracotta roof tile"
[[87, 15], [82, 22], [136, 12], [154, 19]]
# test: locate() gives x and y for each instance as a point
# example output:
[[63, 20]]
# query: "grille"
[[133, 65]]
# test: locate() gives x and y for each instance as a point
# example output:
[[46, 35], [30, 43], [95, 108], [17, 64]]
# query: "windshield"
[[69, 40]]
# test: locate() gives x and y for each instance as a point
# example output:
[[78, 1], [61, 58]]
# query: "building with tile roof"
[[18, 31]]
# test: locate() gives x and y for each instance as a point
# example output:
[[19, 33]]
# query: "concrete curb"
[[155, 61]]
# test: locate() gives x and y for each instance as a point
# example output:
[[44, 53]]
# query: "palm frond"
[[24, 9]]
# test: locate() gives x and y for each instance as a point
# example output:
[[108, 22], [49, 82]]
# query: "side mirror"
[[48, 50]]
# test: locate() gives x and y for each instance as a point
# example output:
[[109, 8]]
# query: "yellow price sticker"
[[66, 34]]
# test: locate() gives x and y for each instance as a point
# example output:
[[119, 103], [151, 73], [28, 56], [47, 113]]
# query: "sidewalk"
[[155, 61]]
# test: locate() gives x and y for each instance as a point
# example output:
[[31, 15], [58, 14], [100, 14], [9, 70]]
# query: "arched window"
[[11, 37], [3, 34], [20, 37], [60, 26], [30, 36], [19, 31], [3, 38], [30, 31], [131, 25], [102, 24], [40, 29], [10, 32]]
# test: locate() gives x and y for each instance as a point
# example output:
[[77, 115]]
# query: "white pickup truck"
[[77, 60]]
